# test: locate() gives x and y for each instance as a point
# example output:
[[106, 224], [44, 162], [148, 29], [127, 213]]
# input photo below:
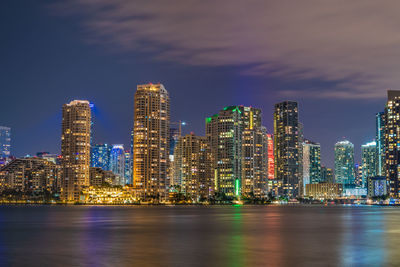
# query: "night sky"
[[337, 59]]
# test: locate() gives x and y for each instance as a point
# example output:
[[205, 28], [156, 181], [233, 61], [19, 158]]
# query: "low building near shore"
[[356, 192], [107, 195], [324, 190]]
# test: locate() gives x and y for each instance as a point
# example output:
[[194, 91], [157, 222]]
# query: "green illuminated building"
[[238, 150], [380, 143]]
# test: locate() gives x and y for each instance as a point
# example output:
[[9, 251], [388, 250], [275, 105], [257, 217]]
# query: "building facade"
[[344, 163], [324, 190], [271, 163], [233, 150], [380, 143], [128, 167], [327, 175], [117, 163], [192, 167], [369, 161], [392, 139], [358, 175], [99, 177], [255, 162], [286, 150], [75, 148], [5, 142], [100, 156], [311, 163], [377, 186], [30, 174], [151, 142]]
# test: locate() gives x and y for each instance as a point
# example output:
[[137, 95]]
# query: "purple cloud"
[[355, 44]]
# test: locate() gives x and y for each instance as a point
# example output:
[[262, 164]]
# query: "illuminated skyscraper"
[[100, 156], [286, 142], [228, 132], [344, 163], [75, 148], [311, 163], [380, 143], [5, 142], [173, 141], [117, 163], [151, 141], [128, 167], [255, 162], [192, 167], [392, 139], [271, 166], [369, 157]]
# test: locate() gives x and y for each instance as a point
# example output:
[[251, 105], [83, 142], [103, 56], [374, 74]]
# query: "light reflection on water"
[[199, 236]]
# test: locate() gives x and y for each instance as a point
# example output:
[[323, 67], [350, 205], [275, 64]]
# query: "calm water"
[[199, 236]]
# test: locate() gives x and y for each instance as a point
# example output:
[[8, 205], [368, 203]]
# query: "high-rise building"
[[311, 163], [344, 163], [75, 148], [380, 143], [392, 139], [173, 141], [5, 142], [327, 175], [286, 147], [100, 156], [151, 141], [117, 163], [255, 162], [128, 167], [228, 132], [369, 157], [271, 166], [192, 167]]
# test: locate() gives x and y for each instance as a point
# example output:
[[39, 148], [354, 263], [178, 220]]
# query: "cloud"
[[353, 44]]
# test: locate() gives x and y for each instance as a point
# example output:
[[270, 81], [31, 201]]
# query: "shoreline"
[[188, 204]]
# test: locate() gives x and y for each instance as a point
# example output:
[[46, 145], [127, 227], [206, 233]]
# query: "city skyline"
[[199, 133], [107, 77]]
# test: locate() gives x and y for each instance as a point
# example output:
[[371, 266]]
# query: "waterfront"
[[199, 236]]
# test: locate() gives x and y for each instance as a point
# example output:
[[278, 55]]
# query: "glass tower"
[[344, 163], [311, 163], [369, 161], [100, 156], [128, 167], [117, 163], [5, 142]]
